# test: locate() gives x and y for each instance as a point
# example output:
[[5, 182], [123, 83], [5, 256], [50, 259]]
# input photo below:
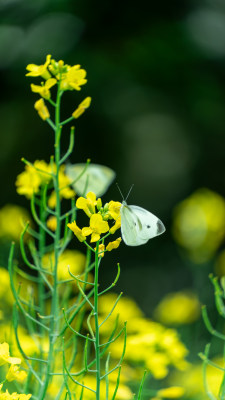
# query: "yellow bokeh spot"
[[199, 225], [12, 221], [178, 308]]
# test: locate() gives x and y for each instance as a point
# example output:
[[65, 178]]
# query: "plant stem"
[[97, 344], [54, 306], [41, 253]]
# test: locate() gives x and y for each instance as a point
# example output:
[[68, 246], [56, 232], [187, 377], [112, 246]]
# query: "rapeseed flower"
[[43, 90], [73, 78], [113, 245], [88, 204], [5, 356], [58, 67], [52, 223], [116, 226], [82, 107], [42, 109], [98, 223], [96, 228], [101, 250], [30, 180], [14, 396], [114, 209], [39, 70], [77, 231], [14, 373], [149, 344], [40, 173]]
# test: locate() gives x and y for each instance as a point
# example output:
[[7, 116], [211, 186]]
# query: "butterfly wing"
[[139, 225], [96, 178]]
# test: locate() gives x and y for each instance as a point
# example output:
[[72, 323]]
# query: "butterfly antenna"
[[120, 191], [129, 192]]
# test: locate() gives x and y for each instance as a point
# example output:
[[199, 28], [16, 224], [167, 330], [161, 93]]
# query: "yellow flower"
[[65, 191], [52, 200], [58, 67], [114, 209], [5, 356], [101, 250], [42, 110], [14, 373], [52, 223], [116, 226], [199, 224], [43, 90], [69, 258], [178, 308], [44, 170], [173, 392], [97, 226], [73, 79], [77, 231], [88, 204], [39, 70], [12, 221], [82, 107], [113, 245], [30, 180], [14, 396]]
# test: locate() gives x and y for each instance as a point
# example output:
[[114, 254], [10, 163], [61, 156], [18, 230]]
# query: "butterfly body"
[[139, 225]]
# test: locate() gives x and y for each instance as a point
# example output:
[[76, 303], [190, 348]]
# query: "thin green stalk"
[[97, 342], [54, 305], [41, 288], [41, 254]]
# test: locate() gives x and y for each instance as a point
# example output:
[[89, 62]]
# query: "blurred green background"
[[157, 79]]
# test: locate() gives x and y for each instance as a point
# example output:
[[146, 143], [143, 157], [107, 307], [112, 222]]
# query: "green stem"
[[97, 343], [41, 254], [54, 306]]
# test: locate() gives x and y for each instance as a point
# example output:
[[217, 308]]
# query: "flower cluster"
[[99, 223], [54, 73], [39, 174], [148, 343], [14, 373], [14, 396]]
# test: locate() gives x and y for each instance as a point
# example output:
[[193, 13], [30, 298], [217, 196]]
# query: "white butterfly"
[[96, 178], [138, 225]]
